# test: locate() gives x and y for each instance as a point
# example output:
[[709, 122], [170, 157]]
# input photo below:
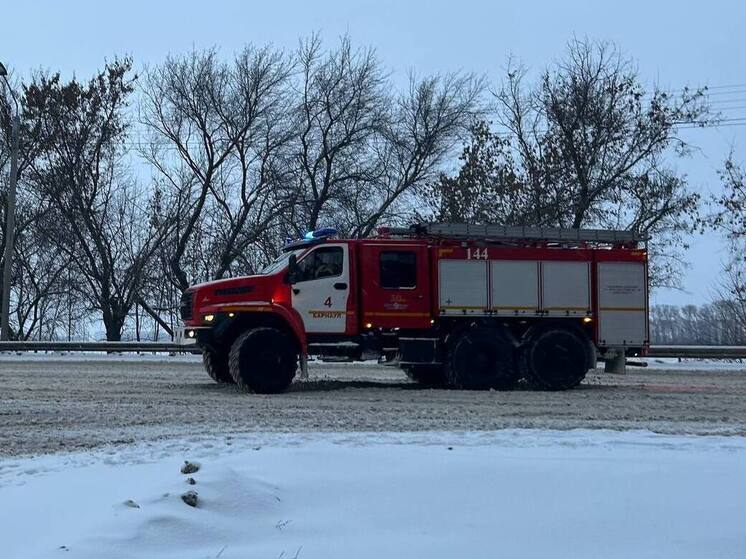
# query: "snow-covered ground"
[[73, 402], [511, 493], [674, 364], [667, 363], [99, 356]]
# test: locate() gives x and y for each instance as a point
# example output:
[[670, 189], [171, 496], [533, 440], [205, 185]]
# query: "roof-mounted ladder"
[[517, 233]]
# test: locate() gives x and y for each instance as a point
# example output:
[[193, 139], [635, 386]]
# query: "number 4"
[[328, 302]]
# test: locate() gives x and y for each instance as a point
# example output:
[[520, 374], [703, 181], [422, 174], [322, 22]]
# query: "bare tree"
[[217, 132], [729, 216], [731, 294], [730, 206], [39, 266], [425, 124], [587, 147], [82, 175], [37, 262], [362, 150], [340, 112]]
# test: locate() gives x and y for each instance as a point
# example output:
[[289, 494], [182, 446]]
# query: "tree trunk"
[[113, 325]]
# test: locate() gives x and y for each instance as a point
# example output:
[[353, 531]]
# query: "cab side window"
[[324, 262], [398, 269]]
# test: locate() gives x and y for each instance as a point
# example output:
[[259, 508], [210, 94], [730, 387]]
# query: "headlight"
[[209, 317]]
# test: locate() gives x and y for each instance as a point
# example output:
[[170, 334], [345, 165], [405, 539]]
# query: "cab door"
[[395, 286], [320, 294]]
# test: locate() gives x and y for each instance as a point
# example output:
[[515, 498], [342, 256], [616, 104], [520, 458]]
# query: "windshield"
[[280, 262]]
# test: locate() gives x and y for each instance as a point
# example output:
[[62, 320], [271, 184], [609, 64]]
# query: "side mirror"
[[294, 272]]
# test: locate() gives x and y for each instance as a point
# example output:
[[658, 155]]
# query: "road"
[[67, 402]]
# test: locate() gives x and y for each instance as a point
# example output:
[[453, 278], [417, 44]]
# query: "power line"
[[734, 92], [726, 125], [731, 86], [705, 90], [736, 108], [714, 122]]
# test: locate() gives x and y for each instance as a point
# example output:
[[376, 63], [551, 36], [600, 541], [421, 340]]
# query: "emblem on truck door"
[[396, 303]]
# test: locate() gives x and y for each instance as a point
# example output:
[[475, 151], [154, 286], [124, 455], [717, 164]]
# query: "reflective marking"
[[397, 314], [246, 308]]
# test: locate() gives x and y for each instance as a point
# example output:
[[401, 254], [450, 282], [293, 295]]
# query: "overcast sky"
[[675, 44]]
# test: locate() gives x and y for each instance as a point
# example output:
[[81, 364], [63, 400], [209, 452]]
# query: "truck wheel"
[[263, 360], [217, 367], [481, 359], [426, 375], [554, 358]]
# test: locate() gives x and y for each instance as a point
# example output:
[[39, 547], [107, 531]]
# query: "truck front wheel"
[[554, 358], [263, 360], [216, 365]]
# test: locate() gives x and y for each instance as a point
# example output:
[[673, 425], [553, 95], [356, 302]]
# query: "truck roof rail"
[[517, 233]]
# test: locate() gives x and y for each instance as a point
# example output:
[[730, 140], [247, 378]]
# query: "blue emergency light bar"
[[311, 237], [320, 233]]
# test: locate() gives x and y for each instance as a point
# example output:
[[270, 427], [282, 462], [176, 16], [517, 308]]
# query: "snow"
[[675, 364], [512, 493], [76, 356], [657, 363]]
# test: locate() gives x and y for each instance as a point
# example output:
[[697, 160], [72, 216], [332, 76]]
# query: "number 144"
[[476, 253]]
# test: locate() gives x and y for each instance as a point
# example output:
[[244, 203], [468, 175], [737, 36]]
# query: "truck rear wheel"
[[481, 359], [216, 366], [428, 375], [263, 360], [554, 358]]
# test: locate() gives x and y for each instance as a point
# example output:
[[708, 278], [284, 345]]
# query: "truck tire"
[[263, 360], [216, 366], [554, 358], [427, 375], [481, 359]]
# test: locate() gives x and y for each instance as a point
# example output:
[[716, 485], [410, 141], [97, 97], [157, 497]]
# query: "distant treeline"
[[718, 323]]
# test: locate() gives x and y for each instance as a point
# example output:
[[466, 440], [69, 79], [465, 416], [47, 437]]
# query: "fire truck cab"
[[454, 305]]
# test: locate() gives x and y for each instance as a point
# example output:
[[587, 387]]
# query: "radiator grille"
[[186, 306]]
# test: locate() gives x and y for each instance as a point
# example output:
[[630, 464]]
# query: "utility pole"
[[10, 218]]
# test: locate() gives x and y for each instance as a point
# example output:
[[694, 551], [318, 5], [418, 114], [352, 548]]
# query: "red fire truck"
[[454, 305]]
